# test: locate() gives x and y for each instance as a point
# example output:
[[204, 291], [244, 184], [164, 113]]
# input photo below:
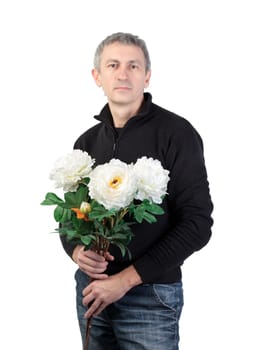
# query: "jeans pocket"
[[169, 296], [81, 278]]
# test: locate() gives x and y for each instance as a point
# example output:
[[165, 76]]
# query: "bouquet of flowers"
[[102, 202]]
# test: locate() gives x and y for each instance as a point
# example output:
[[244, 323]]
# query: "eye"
[[134, 66], [112, 65]]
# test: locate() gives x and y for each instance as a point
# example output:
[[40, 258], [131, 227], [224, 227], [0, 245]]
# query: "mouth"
[[122, 88]]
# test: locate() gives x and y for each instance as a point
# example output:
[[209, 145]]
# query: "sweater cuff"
[[146, 269]]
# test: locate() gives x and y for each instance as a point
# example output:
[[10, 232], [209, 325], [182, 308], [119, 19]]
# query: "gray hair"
[[126, 39]]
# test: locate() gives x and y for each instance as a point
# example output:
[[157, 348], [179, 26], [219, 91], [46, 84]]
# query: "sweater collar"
[[106, 116]]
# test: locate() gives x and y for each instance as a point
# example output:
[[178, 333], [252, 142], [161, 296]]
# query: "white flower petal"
[[152, 179], [113, 184], [71, 169]]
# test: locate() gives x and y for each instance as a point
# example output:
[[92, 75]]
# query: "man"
[[136, 304]]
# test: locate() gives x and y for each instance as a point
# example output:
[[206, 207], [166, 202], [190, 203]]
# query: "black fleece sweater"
[[158, 250]]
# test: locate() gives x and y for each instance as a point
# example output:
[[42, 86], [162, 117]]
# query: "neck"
[[122, 113]]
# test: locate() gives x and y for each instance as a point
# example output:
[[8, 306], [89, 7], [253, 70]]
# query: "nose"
[[122, 73]]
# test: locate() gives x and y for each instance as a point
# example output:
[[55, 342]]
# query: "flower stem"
[[88, 333], [101, 247]]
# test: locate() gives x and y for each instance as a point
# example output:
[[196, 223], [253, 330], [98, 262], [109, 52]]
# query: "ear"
[[96, 76], [147, 78]]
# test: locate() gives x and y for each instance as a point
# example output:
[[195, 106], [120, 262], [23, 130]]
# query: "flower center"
[[115, 182]]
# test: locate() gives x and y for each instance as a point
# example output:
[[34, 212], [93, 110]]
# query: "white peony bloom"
[[70, 169], [152, 179], [113, 184]]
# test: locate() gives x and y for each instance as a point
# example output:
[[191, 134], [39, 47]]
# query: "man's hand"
[[91, 263], [100, 293]]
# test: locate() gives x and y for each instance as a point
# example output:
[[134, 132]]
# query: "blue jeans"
[[146, 318]]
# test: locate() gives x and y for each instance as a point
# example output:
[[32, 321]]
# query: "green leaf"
[[139, 213], [82, 194], [70, 199], [71, 234], [86, 240], [62, 214], [52, 199], [98, 212], [146, 211], [118, 236], [85, 181], [149, 217], [81, 226], [154, 209], [74, 199], [122, 248]]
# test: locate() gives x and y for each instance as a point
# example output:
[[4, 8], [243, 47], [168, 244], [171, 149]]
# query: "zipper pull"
[[113, 149]]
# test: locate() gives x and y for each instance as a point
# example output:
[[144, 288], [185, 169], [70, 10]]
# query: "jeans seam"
[[162, 302]]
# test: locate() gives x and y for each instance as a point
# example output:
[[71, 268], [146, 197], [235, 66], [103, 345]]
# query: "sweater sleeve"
[[67, 246], [189, 205]]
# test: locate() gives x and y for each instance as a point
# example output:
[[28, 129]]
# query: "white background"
[[204, 68]]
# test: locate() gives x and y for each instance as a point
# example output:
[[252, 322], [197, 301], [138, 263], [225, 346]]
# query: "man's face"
[[122, 74]]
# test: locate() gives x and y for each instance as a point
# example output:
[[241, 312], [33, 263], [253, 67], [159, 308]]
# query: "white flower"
[[152, 179], [70, 169], [113, 184]]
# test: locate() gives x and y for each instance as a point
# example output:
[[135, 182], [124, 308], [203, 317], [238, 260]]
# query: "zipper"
[[114, 149]]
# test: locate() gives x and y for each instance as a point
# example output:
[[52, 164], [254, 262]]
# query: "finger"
[[95, 309], [100, 309], [86, 292], [96, 276], [108, 256], [92, 267], [87, 297], [87, 260], [94, 256]]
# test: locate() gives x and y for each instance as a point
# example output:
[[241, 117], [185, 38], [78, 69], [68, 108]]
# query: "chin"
[[121, 99]]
